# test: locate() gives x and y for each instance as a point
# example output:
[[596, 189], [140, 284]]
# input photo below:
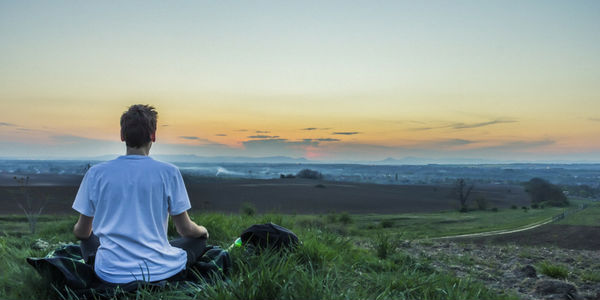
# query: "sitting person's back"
[[128, 201]]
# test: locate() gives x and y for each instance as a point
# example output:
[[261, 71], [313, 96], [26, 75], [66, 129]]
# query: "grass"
[[591, 276], [586, 217], [552, 270], [416, 226], [328, 265]]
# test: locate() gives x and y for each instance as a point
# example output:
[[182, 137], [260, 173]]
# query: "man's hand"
[[187, 228], [83, 228]]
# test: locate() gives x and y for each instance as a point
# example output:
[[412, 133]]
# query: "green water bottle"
[[236, 244]]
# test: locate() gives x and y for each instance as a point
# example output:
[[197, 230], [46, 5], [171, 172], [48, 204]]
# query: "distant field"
[[287, 196]]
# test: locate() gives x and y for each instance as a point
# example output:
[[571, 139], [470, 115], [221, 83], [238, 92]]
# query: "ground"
[[356, 255]]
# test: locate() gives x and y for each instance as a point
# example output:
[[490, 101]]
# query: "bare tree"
[[32, 213], [462, 193]]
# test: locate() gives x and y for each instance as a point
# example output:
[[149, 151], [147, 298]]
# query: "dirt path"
[[507, 231], [497, 232]]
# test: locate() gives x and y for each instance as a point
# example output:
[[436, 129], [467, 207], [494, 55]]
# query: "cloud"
[[278, 147], [7, 124], [203, 141], [260, 136], [220, 134], [461, 125], [346, 132], [594, 119], [446, 143], [328, 140], [241, 130], [314, 128], [481, 124], [262, 131], [164, 125]]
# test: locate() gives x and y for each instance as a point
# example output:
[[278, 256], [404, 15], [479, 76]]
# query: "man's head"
[[138, 125]]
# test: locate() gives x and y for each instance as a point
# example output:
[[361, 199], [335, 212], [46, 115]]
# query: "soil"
[[515, 269]]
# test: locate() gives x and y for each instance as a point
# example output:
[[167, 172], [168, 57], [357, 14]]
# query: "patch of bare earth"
[[515, 269]]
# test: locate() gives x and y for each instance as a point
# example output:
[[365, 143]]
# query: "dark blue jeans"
[[194, 247]]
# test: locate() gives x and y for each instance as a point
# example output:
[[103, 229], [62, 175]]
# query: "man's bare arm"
[[187, 228], [83, 228]]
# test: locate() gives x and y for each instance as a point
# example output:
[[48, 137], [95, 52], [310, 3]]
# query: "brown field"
[[562, 236], [277, 195]]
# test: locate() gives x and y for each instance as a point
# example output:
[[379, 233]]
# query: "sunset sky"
[[324, 80]]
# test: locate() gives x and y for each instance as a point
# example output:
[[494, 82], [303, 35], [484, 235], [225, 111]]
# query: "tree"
[[462, 193], [31, 213], [544, 192]]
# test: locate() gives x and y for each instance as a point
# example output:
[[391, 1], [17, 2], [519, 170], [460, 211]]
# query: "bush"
[[495, 209], [535, 206], [383, 245], [513, 206], [554, 271], [284, 176], [309, 174], [322, 186], [542, 191], [345, 218], [387, 224], [248, 209]]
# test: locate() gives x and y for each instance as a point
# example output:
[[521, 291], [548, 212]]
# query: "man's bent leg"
[[89, 247], [193, 246]]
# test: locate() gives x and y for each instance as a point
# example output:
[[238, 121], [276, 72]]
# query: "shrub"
[[495, 209], [542, 191], [387, 223], [383, 245], [535, 206], [554, 271], [345, 218], [248, 209], [309, 174], [322, 186], [513, 206]]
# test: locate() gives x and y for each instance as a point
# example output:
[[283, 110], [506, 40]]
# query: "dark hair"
[[138, 123]]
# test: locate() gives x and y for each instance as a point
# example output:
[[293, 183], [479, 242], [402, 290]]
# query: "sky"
[[324, 80]]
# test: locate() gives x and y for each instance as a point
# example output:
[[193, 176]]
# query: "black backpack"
[[269, 236]]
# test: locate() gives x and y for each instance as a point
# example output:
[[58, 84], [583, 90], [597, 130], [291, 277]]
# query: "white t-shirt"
[[130, 199]]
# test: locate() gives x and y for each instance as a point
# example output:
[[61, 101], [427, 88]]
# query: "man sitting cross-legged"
[[124, 206]]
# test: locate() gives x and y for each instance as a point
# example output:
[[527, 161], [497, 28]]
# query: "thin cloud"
[[220, 134], [346, 132], [461, 125], [164, 125], [328, 140], [314, 128], [7, 124], [241, 130], [594, 119], [481, 124], [262, 131], [202, 141], [261, 136], [189, 137]]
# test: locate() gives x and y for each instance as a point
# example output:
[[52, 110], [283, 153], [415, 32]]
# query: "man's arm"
[[187, 228], [83, 228]]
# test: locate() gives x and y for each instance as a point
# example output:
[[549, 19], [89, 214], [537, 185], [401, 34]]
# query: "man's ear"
[[153, 137], [122, 137]]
